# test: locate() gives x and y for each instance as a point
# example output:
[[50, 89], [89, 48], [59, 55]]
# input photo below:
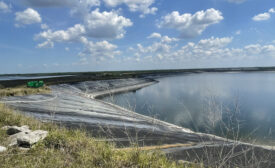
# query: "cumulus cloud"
[[214, 42], [191, 25], [272, 10], [77, 6], [205, 50], [143, 6], [74, 33], [217, 49], [26, 17], [96, 25], [158, 49], [47, 3], [44, 26], [263, 16], [99, 50], [154, 48], [257, 49], [46, 44], [236, 1], [164, 39], [106, 24], [167, 39], [59, 3], [4, 7], [83, 7], [154, 35]]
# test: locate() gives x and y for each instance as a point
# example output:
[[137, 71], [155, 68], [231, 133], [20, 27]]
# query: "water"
[[211, 102]]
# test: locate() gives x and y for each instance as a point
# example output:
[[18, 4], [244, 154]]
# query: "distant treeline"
[[88, 76]]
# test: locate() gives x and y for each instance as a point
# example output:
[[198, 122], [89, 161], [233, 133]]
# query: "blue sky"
[[96, 35]]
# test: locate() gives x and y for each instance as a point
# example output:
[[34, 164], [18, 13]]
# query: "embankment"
[[75, 105]]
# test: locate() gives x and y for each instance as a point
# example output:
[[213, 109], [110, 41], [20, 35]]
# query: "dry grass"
[[148, 148], [22, 91], [73, 148]]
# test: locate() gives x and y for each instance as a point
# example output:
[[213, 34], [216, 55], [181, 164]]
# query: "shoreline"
[[76, 105], [97, 95], [74, 77], [109, 92], [94, 95]]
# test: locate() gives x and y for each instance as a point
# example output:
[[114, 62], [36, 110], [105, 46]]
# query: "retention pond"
[[225, 104]]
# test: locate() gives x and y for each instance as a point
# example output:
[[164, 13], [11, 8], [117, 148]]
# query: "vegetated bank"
[[73, 148], [22, 90]]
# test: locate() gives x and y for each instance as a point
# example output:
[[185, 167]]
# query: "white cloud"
[[49, 3], [77, 6], [74, 33], [217, 49], [264, 16], [28, 16], [257, 49], [154, 48], [60, 3], [204, 51], [236, 1], [44, 26], [106, 24], [272, 10], [46, 44], [99, 50], [4, 7], [238, 32], [164, 39], [83, 7], [158, 49], [167, 39], [96, 24], [154, 35], [191, 25], [143, 6], [261, 17], [214, 42]]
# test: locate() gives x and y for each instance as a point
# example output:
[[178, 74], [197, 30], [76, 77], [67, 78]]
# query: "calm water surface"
[[211, 102]]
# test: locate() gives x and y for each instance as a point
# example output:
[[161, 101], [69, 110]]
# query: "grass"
[[22, 90], [73, 148]]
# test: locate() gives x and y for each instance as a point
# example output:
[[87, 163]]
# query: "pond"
[[235, 105]]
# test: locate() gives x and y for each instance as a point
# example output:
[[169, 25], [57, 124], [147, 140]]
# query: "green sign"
[[35, 84]]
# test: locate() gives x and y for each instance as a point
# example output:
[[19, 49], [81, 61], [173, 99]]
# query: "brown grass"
[[22, 91]]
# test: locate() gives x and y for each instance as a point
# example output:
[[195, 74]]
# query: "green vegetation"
[[73, 148], [22, 90], [35, 84]]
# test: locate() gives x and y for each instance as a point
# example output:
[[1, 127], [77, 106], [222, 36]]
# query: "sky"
[[104, 35]]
